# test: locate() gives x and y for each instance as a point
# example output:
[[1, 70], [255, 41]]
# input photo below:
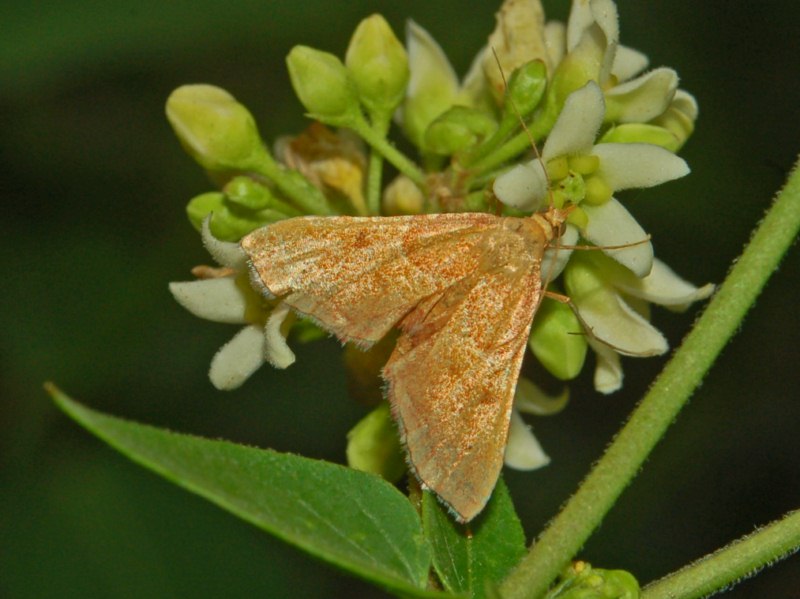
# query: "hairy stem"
[[599, 491], [737, 561]]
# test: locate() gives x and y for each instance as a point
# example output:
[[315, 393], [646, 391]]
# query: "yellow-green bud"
[[322, 84], [248, 193], [199, 207], [597, 191], [457, 129], [378, 65], [217, 131], [586, 582], [557, 340], [526, 87], [584, 164], [402, 196], [374, 446], [642, 133], [558, 168], [578, 218]]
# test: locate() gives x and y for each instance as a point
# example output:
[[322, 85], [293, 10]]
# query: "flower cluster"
[[605, 124]]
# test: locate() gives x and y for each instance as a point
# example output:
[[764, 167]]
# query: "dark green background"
[[94, 187]]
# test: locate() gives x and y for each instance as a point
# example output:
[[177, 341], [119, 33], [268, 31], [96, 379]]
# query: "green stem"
[[381, 124], [514, 146], [730, 564], [585, 510], [378, 142], [293, 185]]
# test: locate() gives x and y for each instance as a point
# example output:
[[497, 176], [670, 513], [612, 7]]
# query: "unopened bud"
[[322, 84], [217, 131], [378, 65]]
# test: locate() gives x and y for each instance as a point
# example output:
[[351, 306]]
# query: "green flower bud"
[[402, 196], [556, 340], [597, 191], [374, 446], [252, 195], [584, 164], [457, 129], [526, 87], [233, 220], [217, 131], [584, 582], [642, 133], [201, 206], [322, 84], [378, 65]]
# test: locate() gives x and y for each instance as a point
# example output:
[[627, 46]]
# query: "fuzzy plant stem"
[[583, 513], [737, 561]]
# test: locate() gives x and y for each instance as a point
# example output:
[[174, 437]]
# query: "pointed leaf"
[[471, 558], [351, 519]]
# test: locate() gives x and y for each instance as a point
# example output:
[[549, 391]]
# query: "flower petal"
[[475, 87], [662, 286], [611, 321], [555, 257], [575, 129], [624, 166], [685, 103], [612, 225], [628, 63], [225, 253], [238, 359], [555, 42], [432, 85], [276, 351], [606, 16], [219, 300], [529, 399], [580, 19], [643, 98], [608, 370], [523, 187], [523, 451]]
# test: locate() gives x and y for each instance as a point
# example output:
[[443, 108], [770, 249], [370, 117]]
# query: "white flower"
[[433, 85], [612, 167], [230, 300], [613, 306], [523, 450]]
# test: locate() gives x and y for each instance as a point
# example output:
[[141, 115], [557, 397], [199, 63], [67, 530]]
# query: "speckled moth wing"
[[452, 376], [358, 276]]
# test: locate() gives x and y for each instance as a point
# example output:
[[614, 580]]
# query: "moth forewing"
[[463, 289]]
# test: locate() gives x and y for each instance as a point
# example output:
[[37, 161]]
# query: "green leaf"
[[352, 519], [472, 558]]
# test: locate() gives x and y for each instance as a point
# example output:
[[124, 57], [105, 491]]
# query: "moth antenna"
[[607, 247]]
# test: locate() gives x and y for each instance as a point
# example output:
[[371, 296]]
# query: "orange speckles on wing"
[[463, 289]]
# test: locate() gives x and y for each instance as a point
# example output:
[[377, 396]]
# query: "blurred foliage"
[[94, 187]]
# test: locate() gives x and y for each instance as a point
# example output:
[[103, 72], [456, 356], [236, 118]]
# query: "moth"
[[462, 288]]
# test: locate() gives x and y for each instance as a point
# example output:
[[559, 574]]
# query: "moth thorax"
[[550, 222]]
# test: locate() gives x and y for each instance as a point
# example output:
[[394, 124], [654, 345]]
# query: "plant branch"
[[728, 565], [624, 457]]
